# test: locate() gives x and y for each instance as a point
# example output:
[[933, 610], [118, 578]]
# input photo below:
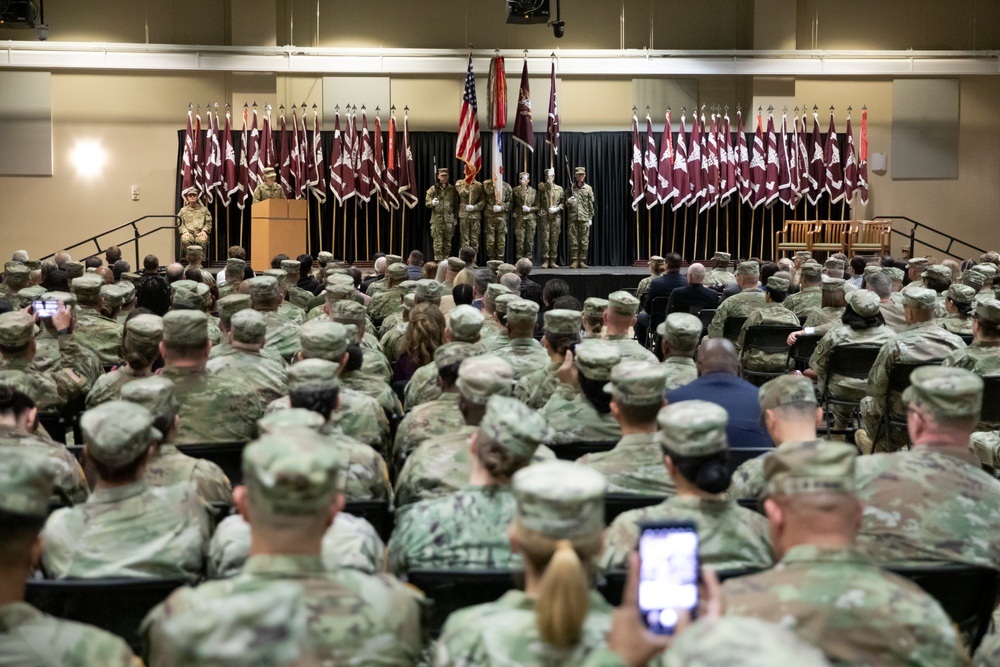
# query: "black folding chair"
[[968, 338], [732, 327], [770, 339], [852, 361], [657, 313], [991, 399], [706, 315], [117, 605], [451, 590], [571, 451], [220, 510], [227, 455], [739, 455], [375, 512], [619, 503], [899, 380], [802, 350], [613, 583], [752, 504], [54, 424]]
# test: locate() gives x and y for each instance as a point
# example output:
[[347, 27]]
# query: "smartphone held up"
[[668, 573]]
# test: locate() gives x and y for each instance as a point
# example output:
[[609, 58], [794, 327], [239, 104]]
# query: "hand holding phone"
[[668, 573], [44, 309]]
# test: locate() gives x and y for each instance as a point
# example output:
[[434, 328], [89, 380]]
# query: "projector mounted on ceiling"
[[526, 11]]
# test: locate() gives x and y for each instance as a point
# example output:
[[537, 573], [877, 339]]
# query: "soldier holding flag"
[[551, 201], [442, 199], [495, 213], [470, 211], [580, 216], [526, 215]]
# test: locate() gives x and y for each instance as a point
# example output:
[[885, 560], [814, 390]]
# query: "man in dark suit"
[[719, 382], [694, 293], [530, 290], [659, 287]]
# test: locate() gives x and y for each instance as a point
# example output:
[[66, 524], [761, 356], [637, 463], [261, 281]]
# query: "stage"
[[599, 281]]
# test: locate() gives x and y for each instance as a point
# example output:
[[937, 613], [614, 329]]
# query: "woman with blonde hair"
[[557, 619]]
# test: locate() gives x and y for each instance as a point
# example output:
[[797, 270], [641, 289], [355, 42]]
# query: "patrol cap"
[[786, 390], [802, 254], [594, 307], [33, 264], [974, 279], [692, 428], [324, 257], [918, 262], [26, 295], [263, 288], [721, 256], [595, 359], [291, 474], [623, 303], [484, 376], [74, 269], [17, 329], [637, 383], [195, 250], [778, 283], [514, 426], [504, 269], [919, 297], [814, 466], [249, 327], [430, 290], [656, 261], [185, 327], [680, 330], [493, 291], [494, 264], [186, 299], [291, 267], [455, 264], [988, 310], [87, 288], [190, 191], [280, 421], [988, 270], [348, 310], [323, 339], [939, 271], [945, 392], [155, 393], [117, 433], [407, 287], [520, 311], [447, 355], [16, 273], [269, 171], [352, 333], [961, 293], [442, 170], [864, 302], [340, 279], [871, 270], [560, 499], [144, 330], [27, 478], [232, 304], [896, 275], [393, 259], [409, 301], [501, 302], [747, 269], [834, 263], [811, 271], [562, 321], [338, 292], [397, 271], [131, 278], [580, 170], [465, 323], [833, 284], [278, 274], [183, 284], [128, 290]]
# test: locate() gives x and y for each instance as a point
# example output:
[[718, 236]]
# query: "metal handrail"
[[913, 237], [135, 235]]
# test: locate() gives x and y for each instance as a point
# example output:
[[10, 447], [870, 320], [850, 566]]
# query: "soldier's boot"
[[583, 265], [864, 441], [575, 264]]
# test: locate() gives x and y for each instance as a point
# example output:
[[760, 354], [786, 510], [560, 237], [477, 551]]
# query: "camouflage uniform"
[[70, 483], [523, 353], [425, 421], [496, 221], [266, 376], [570, 416], [195, 225], [443, 202], [681, 331], [53, 353], [390, 300], [580, 210], [49, 390], [536, 388], [738, 305], [630, 348], [808, 298], [769, 314], [551, 197], [132, 530], [102, 335], [657, 265], [267, 191], [282, 334], [719, 275], [824, 319], [525, 221], [470, 221], [988, 653], [680, 371]]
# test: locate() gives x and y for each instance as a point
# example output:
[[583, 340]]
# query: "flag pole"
[[344, 209], [355, 231], [663, 213], [402, 227], [708, 228], [684, 241], [636, 233], [673, 233], [727, 228], [739, 230], [694, 247]]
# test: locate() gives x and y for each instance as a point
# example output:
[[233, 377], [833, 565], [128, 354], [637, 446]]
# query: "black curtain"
[[356, 230]]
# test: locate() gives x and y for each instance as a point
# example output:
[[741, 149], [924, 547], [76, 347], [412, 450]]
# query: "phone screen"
[[668, 573], [45, 308]]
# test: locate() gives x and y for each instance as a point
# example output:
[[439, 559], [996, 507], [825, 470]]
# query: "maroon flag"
[[295, 156], [317, 181], [802, 157], [267, 156], [552, 129], [407, 174], [651, 162], [197, 159], [710, 162], [213, 161], [758, 167], [285, 157], [302, 184], [187, 159], [254, 158], [228, 187], [786, 163], [850, 164], [771, 166], [352, 139], [834, 170], [469, 148], [390, 182], [665, 167], [681, 192], [378, 163], [338, 181], [863, 163], [743, 161], [243, 180], [817, 166], [697, 189], [635, 179], [523, 133], [366, 169], [732, 182]]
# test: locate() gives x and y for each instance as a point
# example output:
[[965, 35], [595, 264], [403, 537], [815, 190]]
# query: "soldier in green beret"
[[141, 349], [692, 444], [282, 333], [246, 340], [561, 334], [580, 410], [773, 312], [51, 389], [922, 341], [102, 335], [679, 335], [290, 497], [619, 318], [462, 332], [814, 515], [126, 528], [810, 294], [28, 636], [742, 304], [593, 316]]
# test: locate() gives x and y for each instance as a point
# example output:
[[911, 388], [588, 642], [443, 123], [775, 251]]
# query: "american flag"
[[470, 147]]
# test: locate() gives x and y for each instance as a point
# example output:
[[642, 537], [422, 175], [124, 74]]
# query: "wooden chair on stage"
[[871, 237], [796, 235], [833, 236]]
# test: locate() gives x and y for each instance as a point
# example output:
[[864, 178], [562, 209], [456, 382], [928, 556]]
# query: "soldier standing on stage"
[[525, 215], [196, 221], [268, 189], [470, 211], [442, 199], [550, 198], [580, 215], [495, 212]]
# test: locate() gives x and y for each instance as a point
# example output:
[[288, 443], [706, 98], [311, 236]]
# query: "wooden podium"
[[278, 226]]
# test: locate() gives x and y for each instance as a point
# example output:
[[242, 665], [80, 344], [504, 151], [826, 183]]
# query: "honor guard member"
[[525, 215], [552, 203], [461, 332], [749, 299], [196, 221], [580, 216], [141, 347], [102, 335], [719, 275], [442, 199], [522, 351], [268, 189], [679, 336], [470, 211], [495, 212], [561, 334], [580, 410], [619, 317]]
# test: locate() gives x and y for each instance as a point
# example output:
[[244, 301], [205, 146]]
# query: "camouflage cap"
[[145, 330], [918, 262], [693, 428], [393, 259], [595, 359], [409, 301], [33, 264], [681, 330], [834, 263], [447, 355], [131, 277], [67, 298], [484, 376], [720, 256], [974, 279], [833, 284], [16, 272], [429, 290], [407, 287], [623, 303], [988, 270], [802, 254], [514, 426], [291, 474], [747, 269], [594, 307], [118, 432], [323, 339], [263, 288], [183, 284], [278, 274], [786, 390], [560, 499], [232, 304], [185, 327], [397, 271], [193, 190], [87, 288], [810, 271], [637, 383], [340, 292], [195, 250], [919, 297], [988, 310], [340, 279], [871, 270], [521, 311], [27, 478], [501, 302], [580, 170], [313, 374], [747, 642], [186, 299], [155, 393], [28, 294], [235, 265], [291, 267], [324, 257], [348, 310], [493, 291], [896, 275], [249, 327], [562, 321], [455, 264], [494, 264], [656, 261], [17, 329], [280, 421], [465, 323], [352, 333], [939, 271], [814, 466], [961, 293], [504, 269], [779, 283], [74, 269], [128, 290], [864, 302], [945, 392]]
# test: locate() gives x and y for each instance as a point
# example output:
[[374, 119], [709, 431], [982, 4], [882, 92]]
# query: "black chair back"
[[732, 327], [968, 338], [613, 583], [451, 590], [854, 360], [991, 399], [618, 503], [803, 348], [375, 512], [706, 315], [752, 504], [220, 510], [899, 380], [54, 424], [571, 451], [769, 338], [739, 455], [117, 605], [227, 455], [657, 314]]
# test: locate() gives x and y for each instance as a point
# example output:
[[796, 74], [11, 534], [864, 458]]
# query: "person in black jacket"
[[659, 287], [693, 294]]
